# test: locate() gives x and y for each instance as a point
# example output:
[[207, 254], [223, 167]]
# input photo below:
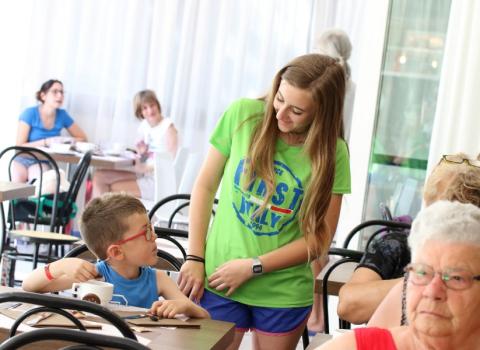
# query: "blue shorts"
[[276, 320], [28, 162]]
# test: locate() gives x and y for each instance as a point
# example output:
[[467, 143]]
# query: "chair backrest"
[[169, 208], [382, 226], [386, 212], [170, 219], [172, 235], [81, 251], [90, 340], [348, 256], [58, 302], [38, 156], [70, 197], [167, 261], [173, 210]]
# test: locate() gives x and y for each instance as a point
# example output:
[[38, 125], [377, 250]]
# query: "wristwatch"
[[257, 268]]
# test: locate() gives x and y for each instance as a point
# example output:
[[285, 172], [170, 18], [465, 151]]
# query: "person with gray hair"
[[448, 222], [455, 178], [443, 286], [335, 43]]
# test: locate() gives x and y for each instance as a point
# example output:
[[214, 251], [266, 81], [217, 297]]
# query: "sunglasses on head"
[[454, 159]]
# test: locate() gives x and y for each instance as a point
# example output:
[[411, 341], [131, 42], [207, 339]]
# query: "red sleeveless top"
[[373, 338]]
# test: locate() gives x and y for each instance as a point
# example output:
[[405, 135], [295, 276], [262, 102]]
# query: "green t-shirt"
[[235, 234]]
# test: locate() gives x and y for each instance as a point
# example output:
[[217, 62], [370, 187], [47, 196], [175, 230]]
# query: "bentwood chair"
[[59, 305], [170, 219], [382, 226], [24, 210], [354, 256], [347, 256], [82, 339], [33, 217]]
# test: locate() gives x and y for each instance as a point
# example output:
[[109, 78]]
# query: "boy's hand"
[[191, 279], [77, 269], [170, 308]]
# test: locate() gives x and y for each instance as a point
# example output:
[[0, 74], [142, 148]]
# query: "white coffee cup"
[[95, 291]]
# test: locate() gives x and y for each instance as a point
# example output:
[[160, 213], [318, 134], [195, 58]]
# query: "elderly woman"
[[443, 288], [455, 178]]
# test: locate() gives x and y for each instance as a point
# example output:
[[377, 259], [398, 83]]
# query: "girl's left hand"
[[231, 275]]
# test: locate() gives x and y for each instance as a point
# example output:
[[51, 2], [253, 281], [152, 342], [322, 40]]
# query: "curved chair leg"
[[305, 338], [35, 255]]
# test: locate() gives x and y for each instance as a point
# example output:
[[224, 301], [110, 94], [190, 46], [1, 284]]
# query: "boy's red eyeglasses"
[[148, 233]]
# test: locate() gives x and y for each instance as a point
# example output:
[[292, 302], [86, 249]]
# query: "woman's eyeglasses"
[[457, 279], [460, 160], [148, 233]]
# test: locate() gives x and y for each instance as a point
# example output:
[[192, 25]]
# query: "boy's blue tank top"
[[141, 291]]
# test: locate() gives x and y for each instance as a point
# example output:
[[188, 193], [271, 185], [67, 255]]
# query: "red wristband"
[[48, 274]]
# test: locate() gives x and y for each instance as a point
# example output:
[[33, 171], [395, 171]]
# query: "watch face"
[[257, 268]]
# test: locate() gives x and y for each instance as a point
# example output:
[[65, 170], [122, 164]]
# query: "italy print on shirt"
[[282, 208]]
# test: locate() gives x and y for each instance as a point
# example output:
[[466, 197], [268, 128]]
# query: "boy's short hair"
[[104, 220]]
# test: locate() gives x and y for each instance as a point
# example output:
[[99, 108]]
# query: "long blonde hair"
[[324, 78]]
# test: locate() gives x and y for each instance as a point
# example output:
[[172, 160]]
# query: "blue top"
[[31, 116], [141, 291]]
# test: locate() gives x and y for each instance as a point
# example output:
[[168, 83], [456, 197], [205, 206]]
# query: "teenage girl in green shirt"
[[284, 167]]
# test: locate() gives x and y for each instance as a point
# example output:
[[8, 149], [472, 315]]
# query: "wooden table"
[[337, 279], [11, 190], [211, 335], [217, 335], [107, 162]]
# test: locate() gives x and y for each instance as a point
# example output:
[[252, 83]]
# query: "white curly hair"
[[446, 221]]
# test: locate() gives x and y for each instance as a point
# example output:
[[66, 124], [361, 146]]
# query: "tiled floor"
[[247, 343]]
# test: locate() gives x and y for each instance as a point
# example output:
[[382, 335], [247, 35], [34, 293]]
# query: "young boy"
[[116, 229]]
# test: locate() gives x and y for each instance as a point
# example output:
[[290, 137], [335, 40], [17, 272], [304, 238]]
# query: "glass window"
[[406, 105]]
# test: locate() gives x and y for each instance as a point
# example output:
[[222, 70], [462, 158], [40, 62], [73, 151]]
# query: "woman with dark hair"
[[284, 168], [41, 126]]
